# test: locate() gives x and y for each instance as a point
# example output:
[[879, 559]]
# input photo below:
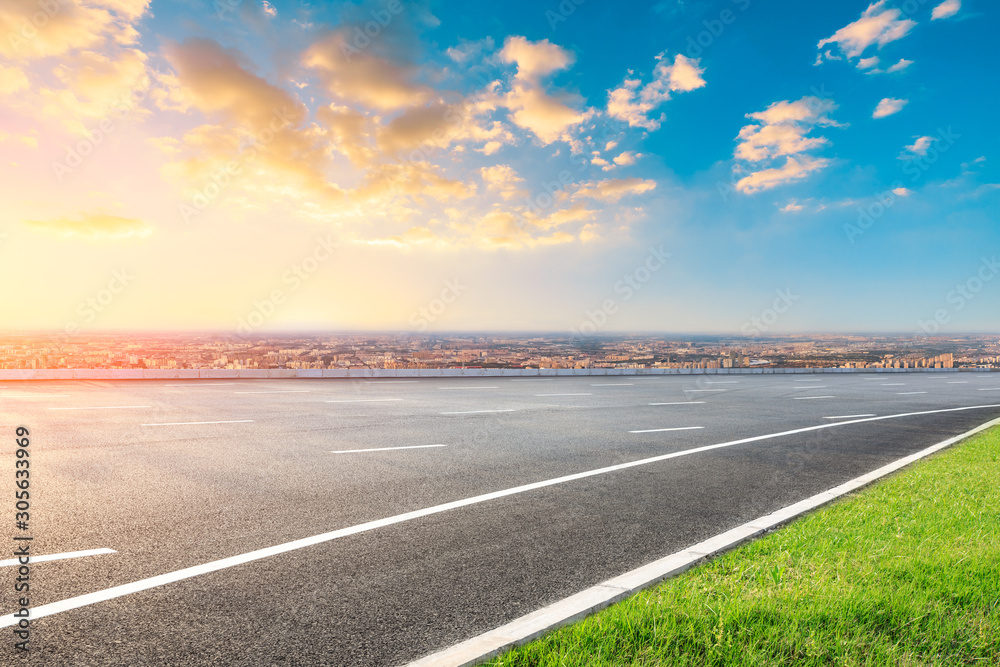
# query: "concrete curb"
[[318, 373], [569, 610]]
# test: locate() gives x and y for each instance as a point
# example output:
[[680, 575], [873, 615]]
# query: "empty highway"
[[372, 522]]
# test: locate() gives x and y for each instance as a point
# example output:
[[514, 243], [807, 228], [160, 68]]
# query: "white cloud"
[[920, 146], [900, 66], [902, 192], [946, 9], [632, 102], [781, 131], [878, 25], [868, 63], [613, 189], [888, 106], [792, 207]]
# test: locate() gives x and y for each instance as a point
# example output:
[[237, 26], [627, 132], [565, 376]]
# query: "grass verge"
[[905, 572]]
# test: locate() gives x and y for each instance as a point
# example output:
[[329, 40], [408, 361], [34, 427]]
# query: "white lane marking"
[[681, 403], [34, 396], [384, 449], [849, 416], [722, 381], [213, 566], [63, 556], [364, 400], [228, 421], [521, 630], [613, 384], [990, 389], [277, 391], [809, 398], [957, 382], [586, 394], [464, 388], [706, 390], [893, 384], [658, 430], [202, 384], [907, 393], [107, 407], [474, 412]]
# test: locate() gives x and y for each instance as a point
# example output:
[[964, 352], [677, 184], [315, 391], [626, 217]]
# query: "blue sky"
[[539, 154]]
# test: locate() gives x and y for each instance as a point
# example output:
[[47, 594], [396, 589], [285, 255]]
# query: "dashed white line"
[[850, 416], [464, 388], [63, 556], [227, 421], [582, 394], [364, 400], [990, 389], [957, 382], [908, 393], [187, 573], [659, 430], [809, 398], [474, 412], [384, 449], [277, 391], [894, 384], [681, 403], [35, 396], [107, 407]]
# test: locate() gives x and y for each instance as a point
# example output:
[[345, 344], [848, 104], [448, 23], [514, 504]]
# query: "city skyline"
[[569, 167]]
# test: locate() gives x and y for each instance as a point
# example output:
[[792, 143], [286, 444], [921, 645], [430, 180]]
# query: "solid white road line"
[[474, 412], [575, 607], [228, 421], [681, 403], [894, 384], [62, 556], [214, 566], [990, 389], [364, 400], [384, 449], [586, 394], [957, 382], [278, 391], [107, 407], [849, 416], [809, 398], [907, 393], [658, 430]]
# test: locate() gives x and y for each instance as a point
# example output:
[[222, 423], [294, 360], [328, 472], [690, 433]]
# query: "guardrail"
[[203, 374]]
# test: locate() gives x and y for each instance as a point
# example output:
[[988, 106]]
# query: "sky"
[[584, 167]]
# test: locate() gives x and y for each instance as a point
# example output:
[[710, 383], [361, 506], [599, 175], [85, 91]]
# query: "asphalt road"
[[127, 466]]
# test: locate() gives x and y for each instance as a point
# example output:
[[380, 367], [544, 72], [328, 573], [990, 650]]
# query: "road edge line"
[[522, 630]]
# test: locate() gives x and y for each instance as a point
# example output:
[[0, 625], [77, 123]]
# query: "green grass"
[[906, 572]]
